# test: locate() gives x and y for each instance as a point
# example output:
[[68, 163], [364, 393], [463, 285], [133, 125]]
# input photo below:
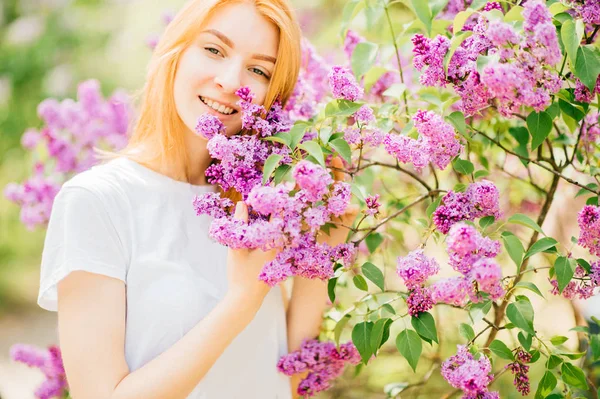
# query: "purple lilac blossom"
[[323, 362], [589, 224], [520, 369], [208, 126], [343, 85], [415, 268], [472, 376], [49, 362]]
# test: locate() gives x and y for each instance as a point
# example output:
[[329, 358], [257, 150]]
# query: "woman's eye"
[[212, 50], [259, 72]]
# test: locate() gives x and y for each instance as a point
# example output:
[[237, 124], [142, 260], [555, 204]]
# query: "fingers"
[[338, 175], [241, 211]]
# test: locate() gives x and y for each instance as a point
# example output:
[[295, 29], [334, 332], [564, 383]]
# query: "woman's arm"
[[92, 340]]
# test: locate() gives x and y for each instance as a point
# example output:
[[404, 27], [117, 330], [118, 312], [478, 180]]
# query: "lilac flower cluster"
[[208, 126], [323, 362], [288, 220], [472, 376], [520, 369], [50, 363], [372, 202], [311, 86], [470, 254], [583, 94], [589, 225], [480, 199], [437, 142], [519, 73], [72, 129], [252, 115], [583, 285], [590, 130], [414, 269], [588, 10], [343, 85]]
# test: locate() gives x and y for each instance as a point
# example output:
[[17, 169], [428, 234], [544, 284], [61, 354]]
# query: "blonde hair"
[[157, 137]]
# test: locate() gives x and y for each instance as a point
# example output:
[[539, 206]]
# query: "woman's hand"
[[244, 267]]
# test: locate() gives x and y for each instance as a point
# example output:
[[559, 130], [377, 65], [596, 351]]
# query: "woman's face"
[[236, 48]]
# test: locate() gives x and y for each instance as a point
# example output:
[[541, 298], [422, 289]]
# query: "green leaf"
[[595, 346], [361, 337], [573, 376], [514, 247], [270, 165], [409, 345], [396, 90], [372, 76], [342, 148], [564, 270], [377, 335], [325, 133], [433, 206], [437, 6], [481, 173], [520, 313], [541, 245], [392, 390], [546, 385], [539, 125], [558, 340], [479, 310], [314, 149], [582, 191], [587, 67], [570, 110], [553, 361], [456, 41], [529, 286], [460, 19], [463, 166], [373, 241], [525, 340], [525, 220], [514, 14], [360, 282], [373, 273], [569, 38], [466, 331], [363, 58], [280, 173], [424, 325], [423, 13], [339, 327], [500, 349], [341, 108], [351, 9], [331, 289], [297, 133]]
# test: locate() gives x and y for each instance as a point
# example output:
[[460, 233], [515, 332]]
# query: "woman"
[[148, 305]]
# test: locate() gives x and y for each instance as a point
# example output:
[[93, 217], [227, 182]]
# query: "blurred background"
[[46, 48]]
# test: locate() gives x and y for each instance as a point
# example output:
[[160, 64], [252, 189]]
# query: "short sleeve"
[[80, 236]]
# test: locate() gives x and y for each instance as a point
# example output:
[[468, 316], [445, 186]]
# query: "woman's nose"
[[228, 78]]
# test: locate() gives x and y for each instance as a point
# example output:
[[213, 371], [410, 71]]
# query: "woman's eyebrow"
[[230, 44]]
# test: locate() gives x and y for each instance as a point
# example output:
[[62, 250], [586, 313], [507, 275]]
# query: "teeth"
[[216, 106]]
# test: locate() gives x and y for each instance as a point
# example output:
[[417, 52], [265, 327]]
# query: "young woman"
[[148, 305]]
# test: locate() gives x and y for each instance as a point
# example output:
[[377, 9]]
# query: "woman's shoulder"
[[110, 182]]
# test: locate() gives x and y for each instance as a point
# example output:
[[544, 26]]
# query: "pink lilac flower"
[[323, 362], [492, 5], [520, 369], [343, 85], [208, 126], [583, 286], [30, 139], [339, 199], [480, 199], [419, 300], [451, 291], [364, 114], [48, 362], [252, 115], [372, 202], [313, 179], [464, 372], [437, 142], [590, 130], [588, 10], [211, 204], [415, 268], [430, 53], [589, 224], [488, 276]]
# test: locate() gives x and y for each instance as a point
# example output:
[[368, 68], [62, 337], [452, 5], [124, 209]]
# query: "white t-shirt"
[[126, 221]]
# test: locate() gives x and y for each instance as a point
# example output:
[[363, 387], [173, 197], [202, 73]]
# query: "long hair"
[[157, 137]]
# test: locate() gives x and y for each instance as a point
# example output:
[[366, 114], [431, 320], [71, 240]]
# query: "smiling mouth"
[[220, 108]]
